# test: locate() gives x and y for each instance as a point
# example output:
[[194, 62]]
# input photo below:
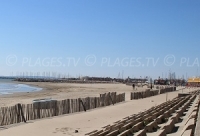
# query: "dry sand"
[[61, 91], [84, 122]]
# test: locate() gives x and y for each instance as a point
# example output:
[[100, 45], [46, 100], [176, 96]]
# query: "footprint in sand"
[[62, 130], [66, 131]]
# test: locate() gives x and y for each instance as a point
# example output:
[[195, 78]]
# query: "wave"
[[10, 88]]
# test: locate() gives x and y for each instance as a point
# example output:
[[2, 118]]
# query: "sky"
[[103, 38]]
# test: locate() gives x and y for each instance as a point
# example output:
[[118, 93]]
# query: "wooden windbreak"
[[25, 112]]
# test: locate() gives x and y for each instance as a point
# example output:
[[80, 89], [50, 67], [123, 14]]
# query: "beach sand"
[[84, 122], [61, 91]]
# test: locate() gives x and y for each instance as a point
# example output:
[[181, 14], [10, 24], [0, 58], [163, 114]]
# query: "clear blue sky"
[[39, 35]]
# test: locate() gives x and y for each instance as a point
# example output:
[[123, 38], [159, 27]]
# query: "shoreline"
[[36, 88], [60, 91]]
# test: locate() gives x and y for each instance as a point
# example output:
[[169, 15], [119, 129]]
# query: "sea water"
[[7, 86]]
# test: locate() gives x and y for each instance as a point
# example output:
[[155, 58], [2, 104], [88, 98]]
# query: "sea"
[[8, 86]]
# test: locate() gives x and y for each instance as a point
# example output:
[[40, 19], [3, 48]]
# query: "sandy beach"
[[100, 68], [61, 91], [84, 122]]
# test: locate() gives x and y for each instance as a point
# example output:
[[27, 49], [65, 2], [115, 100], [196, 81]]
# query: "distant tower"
[[186, 76], [118, 75]]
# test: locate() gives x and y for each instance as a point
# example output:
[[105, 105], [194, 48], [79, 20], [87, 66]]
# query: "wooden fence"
[[22, 113], [148, 93], [165, 90]]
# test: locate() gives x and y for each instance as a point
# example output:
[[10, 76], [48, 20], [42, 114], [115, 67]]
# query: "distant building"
[[85, 78], [136, 80], [194, 81], [176, 82], [103, 79]]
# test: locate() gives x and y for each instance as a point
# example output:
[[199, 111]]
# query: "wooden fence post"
[[83, 105], [21, 112], [111, 99]]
